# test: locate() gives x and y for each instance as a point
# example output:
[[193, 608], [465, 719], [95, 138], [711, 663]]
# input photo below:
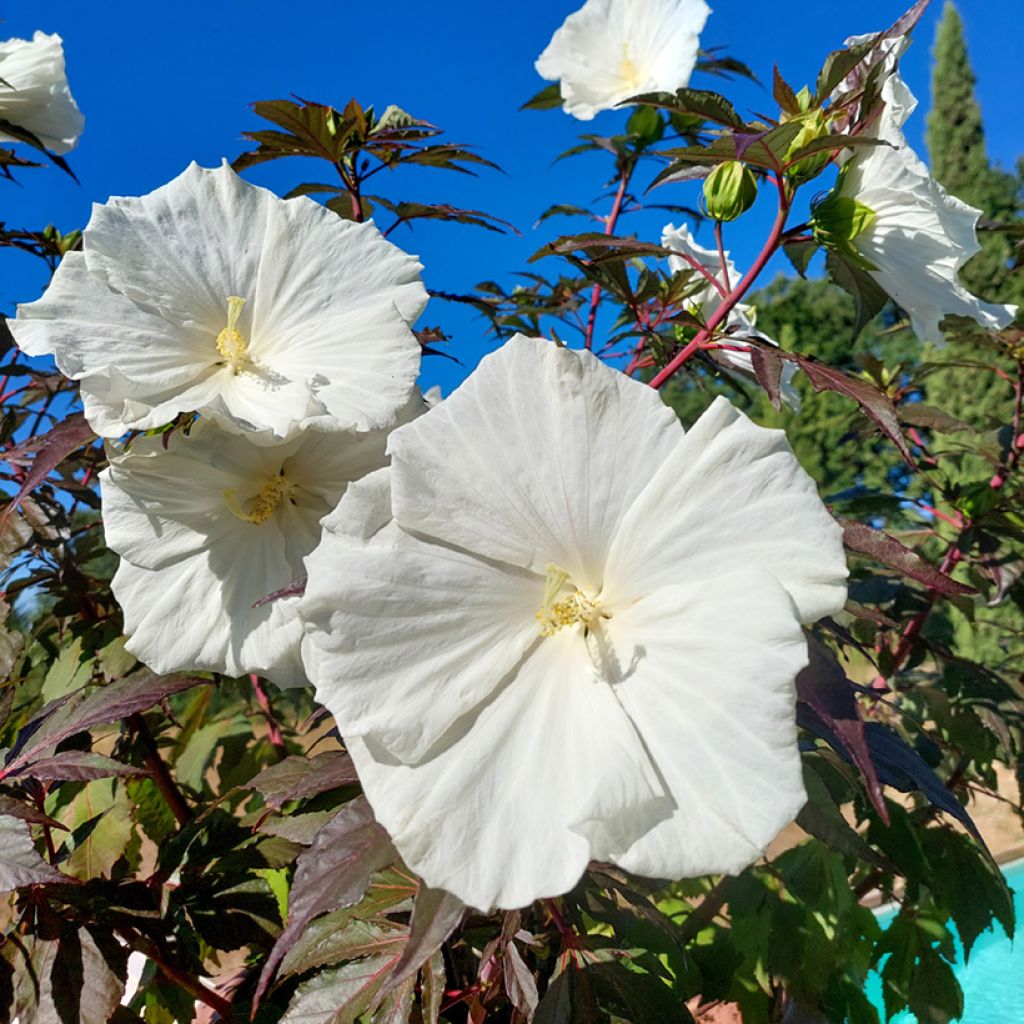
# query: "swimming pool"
[[993, 981]]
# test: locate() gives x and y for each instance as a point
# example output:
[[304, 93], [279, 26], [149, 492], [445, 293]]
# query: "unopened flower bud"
[[729, 190], [814, 126]]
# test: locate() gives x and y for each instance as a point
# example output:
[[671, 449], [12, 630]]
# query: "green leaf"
[[547, 99], [935, 994]]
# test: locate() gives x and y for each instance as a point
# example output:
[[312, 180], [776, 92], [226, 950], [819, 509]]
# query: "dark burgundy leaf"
[[334, 872], [877, 405], [890, 552], [435, 915], [903, 768], [93, 705], [822, 687], [298, 777], [768, 370], [48, 452], [76, 766]]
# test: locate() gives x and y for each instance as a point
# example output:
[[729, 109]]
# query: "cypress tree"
[[956, 145]]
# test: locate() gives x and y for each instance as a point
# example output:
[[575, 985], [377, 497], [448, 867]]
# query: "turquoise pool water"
[[993, 981]]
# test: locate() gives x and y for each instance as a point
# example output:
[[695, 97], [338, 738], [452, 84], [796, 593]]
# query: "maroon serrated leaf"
[[333, 873], [890, 552], [49, 452], [768, 371], [520, 984], [824, 688], [26, 812], [92, 705], [298, 777], [76, 766], [435, 915], [20, 864], [875, 404]]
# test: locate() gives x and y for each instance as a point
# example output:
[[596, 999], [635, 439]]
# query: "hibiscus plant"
[[575, 695]]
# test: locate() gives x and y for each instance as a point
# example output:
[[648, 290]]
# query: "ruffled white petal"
[[611, 50], [920, 236], [368, 603], [730, 497], [193, 568], [711, 691], [137, 316], [197, 613], [547, 776], [34, 92], [535, 460]]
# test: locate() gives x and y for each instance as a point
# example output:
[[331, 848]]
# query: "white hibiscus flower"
[[213, 295], [917, 236], [559, 629], [212, 524], [740, 324], [611, 50], [34, 92]]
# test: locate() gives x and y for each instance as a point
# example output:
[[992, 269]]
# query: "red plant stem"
[[737, 293], [193, 986], [913, 628], [720, 241], [161, 775], [274, 733], [609, 229], [559, 921]]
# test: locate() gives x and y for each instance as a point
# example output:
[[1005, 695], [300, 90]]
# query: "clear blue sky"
[[165, 83]]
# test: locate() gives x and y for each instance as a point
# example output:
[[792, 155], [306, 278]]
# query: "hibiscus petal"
[[708, 510], [370, 603], [535, 460], [548, 776], [711, 692], [197, 613], [88, 327]]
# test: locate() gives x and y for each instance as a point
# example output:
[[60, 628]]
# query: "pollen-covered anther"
[[231, 344], [264, 504], [561, 612]]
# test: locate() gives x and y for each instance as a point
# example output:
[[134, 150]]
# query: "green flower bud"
[[814, 126], [729, 190]]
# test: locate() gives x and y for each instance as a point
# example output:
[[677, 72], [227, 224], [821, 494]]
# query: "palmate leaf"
[[333, 873], [406, 212], [694, 102], [435, 915]]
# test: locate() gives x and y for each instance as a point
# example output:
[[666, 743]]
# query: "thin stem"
[[609, 229], [720, 241], [704, 913], [161, 774], [737, 293], [193, 986]]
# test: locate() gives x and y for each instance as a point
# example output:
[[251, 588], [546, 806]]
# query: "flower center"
[[562, 609], [232, 347], [628, 70], [263, 505]]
